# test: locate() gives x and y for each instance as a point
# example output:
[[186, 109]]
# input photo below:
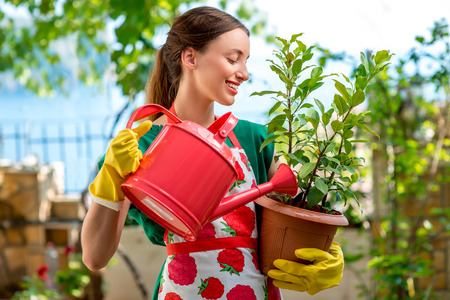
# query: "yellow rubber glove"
[[325, 271], [122, 158]]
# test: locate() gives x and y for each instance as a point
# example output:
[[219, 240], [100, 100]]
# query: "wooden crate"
[[62, 233], [25, 194], [67, 207], [27, 234], [15, 264]]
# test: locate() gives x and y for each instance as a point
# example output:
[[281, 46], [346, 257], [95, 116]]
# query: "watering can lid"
[[214, 136]]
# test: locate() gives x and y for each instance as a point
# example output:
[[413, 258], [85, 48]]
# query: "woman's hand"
[[325, 271], [122, 158]]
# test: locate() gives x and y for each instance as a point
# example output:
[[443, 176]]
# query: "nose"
[[242, 73]]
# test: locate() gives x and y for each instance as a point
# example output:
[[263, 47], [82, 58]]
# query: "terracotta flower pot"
[[285, 228]]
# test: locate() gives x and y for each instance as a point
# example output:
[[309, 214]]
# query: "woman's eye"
[[232, 61]]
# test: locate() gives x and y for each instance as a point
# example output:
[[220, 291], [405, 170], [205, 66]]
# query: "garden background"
[[73, 71]]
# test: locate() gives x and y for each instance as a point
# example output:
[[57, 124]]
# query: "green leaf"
[[361, 71], [306, 105], [316, 86], [314, 122], [359, 141], [306, 169], [366, 128], [314, 118], [316, 72], [297, 67], [358, 97], [263, 93], [326, 118], [350, 169], [361, 83], [348, 146], [298, 93], [293, 157], [321, 185], [277, 70], [330, 147], [420, 39], [267, 141], [307, 56], [284, 78], [274, 108], [301, 46], [346, 78], [314, 196], [276, 122], [382, 56], [348, 134], [337, 125], [319, 105], [295, 36], [365, 62], [334, 170], [339, 104], [343, 90], [283, 41], [338, 196]]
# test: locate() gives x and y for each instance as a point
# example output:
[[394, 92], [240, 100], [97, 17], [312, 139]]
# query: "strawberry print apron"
[[222, 263]]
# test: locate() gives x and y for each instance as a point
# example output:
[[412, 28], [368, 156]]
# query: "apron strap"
[[234, 140], [212, 244], [231, 135]]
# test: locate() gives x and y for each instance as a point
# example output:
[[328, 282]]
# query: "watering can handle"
[[148, 110], [223, 126]]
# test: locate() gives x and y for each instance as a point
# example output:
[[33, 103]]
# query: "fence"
[[78, 144]]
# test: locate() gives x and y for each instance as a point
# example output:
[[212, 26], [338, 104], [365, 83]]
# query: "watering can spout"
[[283, 181]]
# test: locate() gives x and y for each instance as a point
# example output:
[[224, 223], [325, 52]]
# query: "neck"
[[200, 113], [194, 108]]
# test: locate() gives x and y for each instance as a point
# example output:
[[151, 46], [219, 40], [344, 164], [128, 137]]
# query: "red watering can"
[[185, 174]]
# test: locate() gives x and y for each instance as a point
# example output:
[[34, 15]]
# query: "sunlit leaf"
[[306, 169], [321, 185]]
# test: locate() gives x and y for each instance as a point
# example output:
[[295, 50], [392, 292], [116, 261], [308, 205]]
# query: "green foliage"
[[414, 127], [414, 149], [71, 282], [34, 287], [74, 279], [316, 142], [62, 42]]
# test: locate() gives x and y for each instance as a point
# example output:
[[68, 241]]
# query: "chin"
[[225, 103]]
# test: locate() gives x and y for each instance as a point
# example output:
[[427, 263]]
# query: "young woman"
[[202, 62]]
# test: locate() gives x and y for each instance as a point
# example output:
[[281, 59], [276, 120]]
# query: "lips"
[[232, 86]]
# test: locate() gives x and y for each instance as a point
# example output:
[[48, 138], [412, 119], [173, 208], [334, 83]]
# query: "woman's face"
[[222, 67]]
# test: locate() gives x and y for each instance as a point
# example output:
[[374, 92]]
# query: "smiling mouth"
[[232, 86]]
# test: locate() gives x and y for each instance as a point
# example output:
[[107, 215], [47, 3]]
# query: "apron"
[[223, 262]]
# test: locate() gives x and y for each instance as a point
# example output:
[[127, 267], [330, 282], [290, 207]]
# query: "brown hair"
[[195, 28]]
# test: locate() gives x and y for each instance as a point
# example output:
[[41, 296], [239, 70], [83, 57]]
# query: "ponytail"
[[159, 86]]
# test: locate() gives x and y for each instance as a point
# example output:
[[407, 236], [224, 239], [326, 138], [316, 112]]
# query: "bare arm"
[[101, 232], [273, 167]]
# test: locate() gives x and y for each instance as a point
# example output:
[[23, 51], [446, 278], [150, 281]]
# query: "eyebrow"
[[238, 51]]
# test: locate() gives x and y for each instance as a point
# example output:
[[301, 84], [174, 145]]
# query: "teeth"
[[233, 86]]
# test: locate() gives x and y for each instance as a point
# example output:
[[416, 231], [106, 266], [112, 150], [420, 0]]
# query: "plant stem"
[[330, 179], [321, 153]]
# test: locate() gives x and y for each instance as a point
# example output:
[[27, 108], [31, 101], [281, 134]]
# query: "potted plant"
[[317, 143]]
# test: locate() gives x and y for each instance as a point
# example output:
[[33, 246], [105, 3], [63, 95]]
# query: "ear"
[[188, 57]]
